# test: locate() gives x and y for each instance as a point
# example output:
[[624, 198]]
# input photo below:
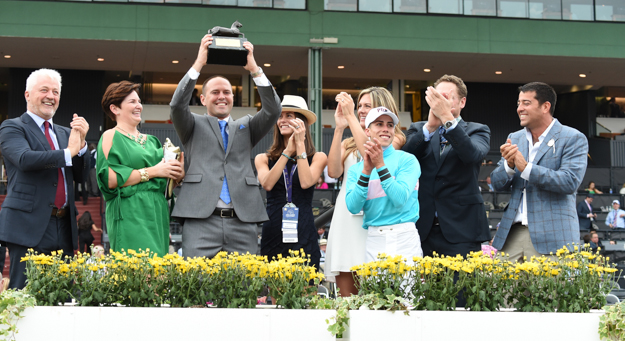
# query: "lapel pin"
[[552, 143]]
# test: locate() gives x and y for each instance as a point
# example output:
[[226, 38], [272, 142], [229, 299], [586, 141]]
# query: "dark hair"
[[543, 93], [208, 79], [462, 88], [115, 94], [278, 145], [586, 238], [85, 221]]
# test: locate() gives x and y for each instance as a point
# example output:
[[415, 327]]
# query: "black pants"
[[436, 242], [58, 236]]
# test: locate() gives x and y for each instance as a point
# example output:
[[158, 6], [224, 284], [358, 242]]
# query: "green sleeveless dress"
[[136, 216]]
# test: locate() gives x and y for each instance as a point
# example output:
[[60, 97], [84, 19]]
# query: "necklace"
[[140, 139]]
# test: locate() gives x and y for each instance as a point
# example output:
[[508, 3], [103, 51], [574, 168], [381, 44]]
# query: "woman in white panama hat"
[[288, 172]]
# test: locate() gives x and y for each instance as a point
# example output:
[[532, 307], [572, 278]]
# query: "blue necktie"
[[441, 130], [225, 193]]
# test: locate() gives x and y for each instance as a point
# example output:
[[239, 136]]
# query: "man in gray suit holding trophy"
[[219, 202]]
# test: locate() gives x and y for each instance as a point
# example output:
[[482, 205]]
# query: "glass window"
[[254, 3], [545, 9], [220, 2], [409, 6], [182, 1], [480, 7], [341, 5], [374, 5], [577, 10], [513, 8], [610, 10], [445, 6], [291, 4]]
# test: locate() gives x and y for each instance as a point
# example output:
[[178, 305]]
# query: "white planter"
[[469, 326], [156, 324]]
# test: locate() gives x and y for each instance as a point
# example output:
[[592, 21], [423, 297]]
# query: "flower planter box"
[[125, 323], [468, 326]]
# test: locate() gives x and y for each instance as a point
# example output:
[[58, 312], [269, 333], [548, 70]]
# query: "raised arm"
[[346, 103]]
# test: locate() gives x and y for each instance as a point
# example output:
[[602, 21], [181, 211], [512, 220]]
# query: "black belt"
[[59, 212], [225, 212]]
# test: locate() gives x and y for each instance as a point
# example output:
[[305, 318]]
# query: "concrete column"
[[398, 91], [314, 92]]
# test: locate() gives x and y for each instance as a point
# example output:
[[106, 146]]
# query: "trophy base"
[[227, 51]]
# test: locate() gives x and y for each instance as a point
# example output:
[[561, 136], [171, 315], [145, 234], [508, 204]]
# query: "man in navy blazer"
[[584, 213], [543, 165], [38, 211], [450, 151]]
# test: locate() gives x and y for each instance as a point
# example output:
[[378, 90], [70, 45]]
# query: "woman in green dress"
[[132, 176]]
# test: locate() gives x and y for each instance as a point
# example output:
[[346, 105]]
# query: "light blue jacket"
[[390, 201]]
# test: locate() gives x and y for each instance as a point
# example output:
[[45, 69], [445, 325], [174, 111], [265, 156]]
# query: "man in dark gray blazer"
[[39, 210], [450, 151], [220, 202]]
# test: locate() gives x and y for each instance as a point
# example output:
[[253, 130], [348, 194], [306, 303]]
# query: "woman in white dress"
[[347, 238]]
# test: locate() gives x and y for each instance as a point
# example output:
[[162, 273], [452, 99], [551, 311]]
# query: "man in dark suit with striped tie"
[[38, 211]]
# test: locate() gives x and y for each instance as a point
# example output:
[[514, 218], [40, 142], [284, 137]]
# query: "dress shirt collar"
[[39, 121], [528, 133]]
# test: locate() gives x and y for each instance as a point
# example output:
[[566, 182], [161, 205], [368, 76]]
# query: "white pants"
[[399, 239]]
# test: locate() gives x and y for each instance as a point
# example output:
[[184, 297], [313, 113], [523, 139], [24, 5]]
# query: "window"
[[375, 5], [341, 5], [513, 8], [445, 6], [290, 4], [545, 9], [480, 7], [610, 10], [577, 10], [409, 6]]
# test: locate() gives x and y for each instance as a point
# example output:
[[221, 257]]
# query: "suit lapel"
[[214, 124], [544, 146], [231, 131], [35, 130], [523, 145], [61, 137]]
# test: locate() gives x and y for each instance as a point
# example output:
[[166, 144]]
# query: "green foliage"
[[12, 305], [361, 302], [612, 323]]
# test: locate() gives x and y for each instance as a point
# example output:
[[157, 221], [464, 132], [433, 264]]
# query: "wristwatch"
[[303, 156], [257, 73], [448, 124]]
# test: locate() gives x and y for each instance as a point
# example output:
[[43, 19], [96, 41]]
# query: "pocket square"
[[241, 126]]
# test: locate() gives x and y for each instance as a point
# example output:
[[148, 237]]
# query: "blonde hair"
[[380, 97]]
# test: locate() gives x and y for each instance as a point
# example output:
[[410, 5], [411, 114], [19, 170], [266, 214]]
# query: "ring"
[[342, 100], [296, 127]]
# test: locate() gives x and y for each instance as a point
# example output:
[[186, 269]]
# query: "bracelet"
[[288, 157], [257, 73], [144, 174]]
